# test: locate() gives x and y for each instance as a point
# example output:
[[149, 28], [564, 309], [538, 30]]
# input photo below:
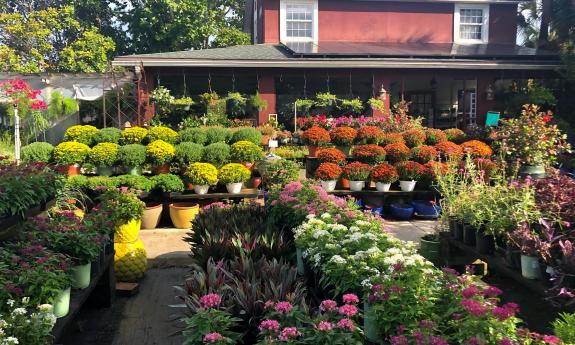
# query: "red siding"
[[271, 21], [503, 24], [370, 21]]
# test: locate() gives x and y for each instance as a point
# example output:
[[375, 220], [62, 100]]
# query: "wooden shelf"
[[245, 193], [373, 192]]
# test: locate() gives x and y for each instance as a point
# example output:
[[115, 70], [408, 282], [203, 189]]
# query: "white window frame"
[[283, 20], [484, 28]]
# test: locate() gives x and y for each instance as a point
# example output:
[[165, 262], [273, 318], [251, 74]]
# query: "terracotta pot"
[[256, 182], [345, 183], [249, 165], [312, 151], [265, 140], [182, 214], [161, 169], [73, 170], [189, 186], [152, 215]]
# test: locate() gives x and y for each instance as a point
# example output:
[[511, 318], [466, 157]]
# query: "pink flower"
[[473, 307], [427, 324], [491, 291], [469, 292], [399, 340], [283, 307], [502, 313], [346, 324], [212, 338], [210, 301], [550, 339], [348, 310], [325, 326], [512, 307], [474, 341], [269, 325], [505, 341], [289, 333], [328, 305], [269, 305], [350, 299]]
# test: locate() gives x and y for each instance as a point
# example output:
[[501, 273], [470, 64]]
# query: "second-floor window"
[[298, 20], [471, 23]]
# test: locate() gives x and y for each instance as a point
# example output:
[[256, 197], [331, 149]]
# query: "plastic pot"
[[201, 189], [256, 182], [530, 267], [234, 188], [533, 171], [452, 226], [426, 209], [344, 149], [182, 214], [80, 276], [484, 244], [356, 186], [401, 211], [105, 171], [430, 248], [161, 169], [468, 235], [73, 170], [300, 264], [382, 187], [152, 215], [136, 171], [329, 186], [374, 209], [407, 186], [61, 304], [344, 183]]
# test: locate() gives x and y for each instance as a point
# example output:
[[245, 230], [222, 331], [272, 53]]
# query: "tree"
[[42, 40]]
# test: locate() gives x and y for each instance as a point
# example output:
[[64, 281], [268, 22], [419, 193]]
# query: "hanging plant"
[[183, 103], [354, 106], [235, 103], [257, 102], [304, 105], [325, 100], [209, 98], [162, 99], [376, 104]]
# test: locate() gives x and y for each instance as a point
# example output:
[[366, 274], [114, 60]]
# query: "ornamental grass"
[[397, 152], [328, 172], [370, 154], [331, 155]]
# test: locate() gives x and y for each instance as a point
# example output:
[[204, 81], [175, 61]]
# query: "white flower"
[[10, 302], [353, 228], [46, 308], [320, 233], [336, 259], [310, 216], [12, 341], [362, 223], [325, 216], [366, 283], [25, 300], [19, 311]]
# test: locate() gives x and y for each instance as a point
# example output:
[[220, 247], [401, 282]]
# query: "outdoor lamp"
[[490, 92]]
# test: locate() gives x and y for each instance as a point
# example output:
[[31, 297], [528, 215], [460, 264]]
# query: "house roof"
[[353, 55]]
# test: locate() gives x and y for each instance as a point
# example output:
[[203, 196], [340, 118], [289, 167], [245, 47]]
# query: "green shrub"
[[194, 135], [187, 153], [79, 182], [108, 135], [81, 133], [135, 182], [167, 183], [217, 154], [104, 154], [132, 155], [96, 182], [247, 134], [39, 152], [564, 328], [246, 151], [281, 172], [217, 135], [162, 133]]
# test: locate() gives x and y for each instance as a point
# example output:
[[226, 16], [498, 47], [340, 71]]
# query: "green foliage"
[[60, 106], [235, 103], [194, 135], [281, 172], [246, 151], [88, 53], [122, 206], [304, 105], [217, 154], [209, 320], [564, 328], [217, 135], [108, 135], [132, 155], [134, 182], [247, 134], [167, 183], [377, 104], [37, 152], [257, 102], [187, 153], [231, 36], [324, 100], [354, 106]]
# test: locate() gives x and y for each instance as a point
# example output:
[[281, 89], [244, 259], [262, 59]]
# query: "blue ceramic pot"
[[374, 209], [401, 211], [426, 209]]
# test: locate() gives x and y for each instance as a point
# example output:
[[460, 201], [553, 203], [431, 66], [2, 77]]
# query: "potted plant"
[[430, 245], [71, 154], [357, 173], [126, 210], [376, 104], [449, 151], [343, 137], [235, 103], [280, 172], [104, 156], [369, 135], [369, 154], [325, 100], [160, 154], [352, 106], [133, 135], [424, 153], [384, 175], [183, 103], [314, 138], [477, 149], [434, 136], [328, 174], [455, 135], [234, 176], [202, 175], [167, 183], [108, 135], [246, 152], [397, 152], [81, 133], [331, 155], [251, 134], [414, 137], [162, 133], [529, 244], [132, 157], [188, 153], [284, 137], [304, 105], [209, 98], [409, 172], [193, 135], [38, 152], [257, 102], [217, 154]]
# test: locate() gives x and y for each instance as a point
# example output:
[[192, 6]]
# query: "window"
[[298, 20], [471, 24]]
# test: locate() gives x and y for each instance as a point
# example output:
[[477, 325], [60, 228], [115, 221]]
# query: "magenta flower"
[[550, 339], [469, 292], [505, 341], [269, 305], [328, 305], [212, 338], [474, 341], [399, 340], [512, 306], [210, 300], [350, 299], [473, 307], [348, 310], [433, 340], [269, 325], [283, 307], [289, 333], [325, 326], [502, 313], [491, 292], [427, 324], [346, 324]]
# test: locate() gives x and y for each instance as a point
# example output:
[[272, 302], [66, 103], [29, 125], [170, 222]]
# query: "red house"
[[448, 58]]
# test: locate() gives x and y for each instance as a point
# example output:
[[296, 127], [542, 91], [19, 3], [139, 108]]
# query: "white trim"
[[315, 26], [484, 28]]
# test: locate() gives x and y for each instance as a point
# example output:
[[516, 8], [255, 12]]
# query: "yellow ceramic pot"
[[182, 214], [130, 261], [128, 232]]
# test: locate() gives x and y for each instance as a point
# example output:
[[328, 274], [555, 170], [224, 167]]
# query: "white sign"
[[273, 144]]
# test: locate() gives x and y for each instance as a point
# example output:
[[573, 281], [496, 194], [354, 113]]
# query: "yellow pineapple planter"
[[128, 232], [130, 261]]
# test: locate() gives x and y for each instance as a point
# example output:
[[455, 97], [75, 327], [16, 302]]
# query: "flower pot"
[[401, 211], [105, 171], [256, 182], [369, 324], [468, 235], [430, 248], [533, 171], [265, 140], [201, 189], [459, 232], [329, 186], [80, 276], [300, 264], [382, 187], [344, 149], [161, 169], [344, 183], [356, 186], [61, 303], [182, 214], [234, 188], [484, 244], [312, 151], [152, 215], [513, 257], [530, 267], [407, 186], [136, 171], [426, 209], [374, 209], [73, 170], [249, 165], [128, 232]]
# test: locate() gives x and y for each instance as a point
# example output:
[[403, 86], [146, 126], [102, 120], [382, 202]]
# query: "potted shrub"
[[477, 149], [424, 153], [193, 135], [352, 106], [132, 157], [434, 136], [104, 156], [217, 135], [397, 152], [81, 133], [247, 134], [217, 154], [71, 154], [409, 172], [384, 175], [160, 154], [167, 183], [188, 153], [455, 135], [133, 135], [369, 135], [343, 137], [392, 138], [449, 151], [234, 176], [246, 152], [280, 172], [126, 210], [414, 137], [331, 155], [202, 175], [135, 182], [314, 138], [108, 135], [328, 174], [235, 103], [38, 152], [357, 173], [369, 154], [162, 133], [209, 98], [530, 246], [327, 101]]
